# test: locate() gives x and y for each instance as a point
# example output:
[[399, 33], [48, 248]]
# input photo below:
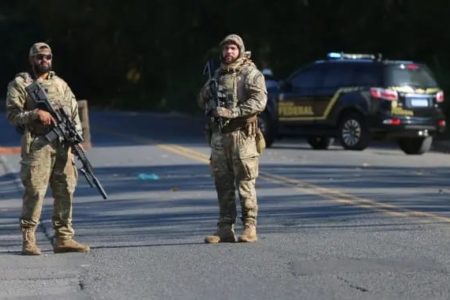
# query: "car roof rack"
[[343, 55]]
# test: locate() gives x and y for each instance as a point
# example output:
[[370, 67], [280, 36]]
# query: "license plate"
[[419, 102]]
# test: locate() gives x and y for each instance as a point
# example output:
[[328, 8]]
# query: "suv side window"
[[338, 75], [367, 74], [307, 79]]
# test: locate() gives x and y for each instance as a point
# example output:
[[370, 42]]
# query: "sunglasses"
[[42, 56]]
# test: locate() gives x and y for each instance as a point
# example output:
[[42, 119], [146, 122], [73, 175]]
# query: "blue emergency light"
[[342, 55]]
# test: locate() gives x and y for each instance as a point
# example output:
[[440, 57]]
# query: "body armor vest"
[[227, 90]]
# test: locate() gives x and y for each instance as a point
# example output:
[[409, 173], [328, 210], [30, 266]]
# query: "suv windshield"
[[410, 74]]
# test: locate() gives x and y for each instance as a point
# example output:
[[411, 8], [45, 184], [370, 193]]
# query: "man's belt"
[[239, 123]]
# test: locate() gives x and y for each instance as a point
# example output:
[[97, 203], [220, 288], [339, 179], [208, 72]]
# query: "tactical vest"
[[228, 85], [227, 90], [54, 88]]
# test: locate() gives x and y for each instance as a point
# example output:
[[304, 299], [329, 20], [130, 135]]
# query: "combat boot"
[[29, 246], [249, 234], [223, 234], [69, 245]]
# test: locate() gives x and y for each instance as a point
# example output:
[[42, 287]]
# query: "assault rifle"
[[214, 88], [64, 130]]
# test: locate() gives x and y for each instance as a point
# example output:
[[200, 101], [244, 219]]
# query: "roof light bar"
[[342, 55], [335, 55]]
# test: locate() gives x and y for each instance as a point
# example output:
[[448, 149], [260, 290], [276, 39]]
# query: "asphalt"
[[147, 238], [441, 144]]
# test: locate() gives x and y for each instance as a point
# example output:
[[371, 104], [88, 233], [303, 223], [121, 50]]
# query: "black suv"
[[356, 98]]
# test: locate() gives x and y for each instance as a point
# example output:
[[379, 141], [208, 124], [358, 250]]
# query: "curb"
[[9, 150]]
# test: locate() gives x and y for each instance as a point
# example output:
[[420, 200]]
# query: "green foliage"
[[149, 54]]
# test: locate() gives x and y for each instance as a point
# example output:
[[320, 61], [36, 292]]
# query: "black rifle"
[[214, 88], [64, 130]]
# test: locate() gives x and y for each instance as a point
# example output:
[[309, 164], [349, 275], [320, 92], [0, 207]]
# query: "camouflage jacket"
[[19, 106], [241, 86]]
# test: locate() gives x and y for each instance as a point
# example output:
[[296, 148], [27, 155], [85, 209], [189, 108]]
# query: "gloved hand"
[[223, 113], [45, 117]]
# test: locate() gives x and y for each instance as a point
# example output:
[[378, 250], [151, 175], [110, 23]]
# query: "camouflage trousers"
[[234, 165], [43, 164]]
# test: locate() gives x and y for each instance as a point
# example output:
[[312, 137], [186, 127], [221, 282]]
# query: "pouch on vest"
[[260, 141]]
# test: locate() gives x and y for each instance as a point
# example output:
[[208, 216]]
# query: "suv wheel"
[[353, 132], [267, 128], [415, 145], [320, 142]]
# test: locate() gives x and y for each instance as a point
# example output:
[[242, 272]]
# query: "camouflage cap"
[[235, 39], [39, 48]]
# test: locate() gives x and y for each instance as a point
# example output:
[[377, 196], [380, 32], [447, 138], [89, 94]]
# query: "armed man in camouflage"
[[234, 154], [43, 162]]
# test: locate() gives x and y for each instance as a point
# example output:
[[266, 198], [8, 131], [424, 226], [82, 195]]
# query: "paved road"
[[333, 224]]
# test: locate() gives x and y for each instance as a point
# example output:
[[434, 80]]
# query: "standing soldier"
[[43, 162], [234, 154]]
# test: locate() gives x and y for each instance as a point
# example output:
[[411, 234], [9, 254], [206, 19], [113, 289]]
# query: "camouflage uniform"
[[234, 156], [43, 162]]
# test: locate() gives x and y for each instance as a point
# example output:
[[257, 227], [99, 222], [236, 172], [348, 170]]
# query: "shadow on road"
[[180, 206]]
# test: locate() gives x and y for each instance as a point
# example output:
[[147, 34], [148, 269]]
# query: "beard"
[[228, 60], [42, 69]]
